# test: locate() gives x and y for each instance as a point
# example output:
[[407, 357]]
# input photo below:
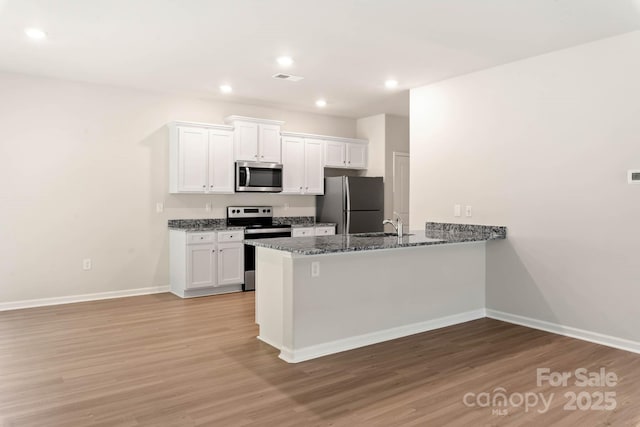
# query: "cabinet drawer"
[[195, 238], [325, 231], [302, 231], [230, 236]]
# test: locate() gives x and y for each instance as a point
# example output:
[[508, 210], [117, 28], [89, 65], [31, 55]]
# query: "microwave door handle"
[[248, 176]]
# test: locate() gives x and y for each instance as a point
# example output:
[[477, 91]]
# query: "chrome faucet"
[[397, 225]]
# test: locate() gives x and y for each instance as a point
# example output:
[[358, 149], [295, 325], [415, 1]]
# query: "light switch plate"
[[467, 211], [159, 207], [456, 210]]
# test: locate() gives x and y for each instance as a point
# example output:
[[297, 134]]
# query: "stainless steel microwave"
[[259, 177]]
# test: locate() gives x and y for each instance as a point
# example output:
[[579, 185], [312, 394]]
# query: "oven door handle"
[[248, 169], [268, 231]]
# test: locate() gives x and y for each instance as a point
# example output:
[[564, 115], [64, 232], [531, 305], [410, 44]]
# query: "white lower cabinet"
[[206, 263], [230, 263], [201, 266]]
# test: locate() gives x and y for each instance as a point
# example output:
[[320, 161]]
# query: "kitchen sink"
[[381, 234]]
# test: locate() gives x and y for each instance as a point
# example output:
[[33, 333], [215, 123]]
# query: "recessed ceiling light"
[[35, 33], [226, 89], [285, 61], [321, 103], [391, 84]]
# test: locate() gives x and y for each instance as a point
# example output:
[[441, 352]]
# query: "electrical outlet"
[[159, 207], [286, 206], [456, 210], [315, 269], [86, 264], [207, 207], [467, 211]]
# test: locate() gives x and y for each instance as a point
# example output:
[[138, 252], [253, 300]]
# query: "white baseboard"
[[581, 334], [15, 305], [337, 346]]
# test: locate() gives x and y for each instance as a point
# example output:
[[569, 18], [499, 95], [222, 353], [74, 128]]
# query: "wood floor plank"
[[159, 360]]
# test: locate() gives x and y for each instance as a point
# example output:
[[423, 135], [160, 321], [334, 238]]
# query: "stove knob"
[[264, 211], [268, 210]]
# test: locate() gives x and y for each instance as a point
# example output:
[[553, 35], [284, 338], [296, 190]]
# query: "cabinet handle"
[[204, 186], [306, 188], [213, 251], [262, 157]]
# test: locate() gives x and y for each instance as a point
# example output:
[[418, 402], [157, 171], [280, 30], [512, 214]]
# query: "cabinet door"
[[292, 165], [269, 143], [193, 145], [334, 154], [356, 156], [313, 169], [220, 161], [230, 264], [201, 266], [246, 141]]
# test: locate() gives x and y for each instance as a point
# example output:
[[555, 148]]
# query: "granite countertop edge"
[[205, 228], [320, 245]]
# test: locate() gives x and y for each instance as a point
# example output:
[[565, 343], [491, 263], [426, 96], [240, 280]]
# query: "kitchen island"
[[322, 295]]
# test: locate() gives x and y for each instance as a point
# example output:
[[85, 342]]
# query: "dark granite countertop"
[[210, 224], [220, 224], [318, 245]]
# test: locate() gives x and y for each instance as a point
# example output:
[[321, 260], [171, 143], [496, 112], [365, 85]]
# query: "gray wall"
[[543, 146]]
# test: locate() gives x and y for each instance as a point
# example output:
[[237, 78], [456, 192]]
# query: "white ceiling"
[[345, 49]]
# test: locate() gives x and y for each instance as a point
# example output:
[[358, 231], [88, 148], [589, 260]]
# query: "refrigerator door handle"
[[348, 193], [347, 228]]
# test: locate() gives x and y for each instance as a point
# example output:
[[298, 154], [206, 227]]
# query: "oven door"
[[258, 177], [250, 253]]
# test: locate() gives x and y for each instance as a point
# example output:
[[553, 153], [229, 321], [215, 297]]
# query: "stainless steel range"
[[258, 223]]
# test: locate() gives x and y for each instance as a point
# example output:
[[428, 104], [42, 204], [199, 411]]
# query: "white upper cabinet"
[[221, 171], [356, 155], [313, 167], [302, 166], [335, 154], [200, 158], [246, 140], [192, 147], [292, 165], [346, 153], [256, 140], [269, 143]]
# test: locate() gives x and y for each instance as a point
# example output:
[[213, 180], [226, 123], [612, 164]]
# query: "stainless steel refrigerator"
[[355, 203]]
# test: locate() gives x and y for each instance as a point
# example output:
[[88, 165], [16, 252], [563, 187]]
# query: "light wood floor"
[[161, 361]]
